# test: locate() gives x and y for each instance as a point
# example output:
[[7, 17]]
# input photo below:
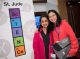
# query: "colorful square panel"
[[20, 50], [16, 22], [17, 32], [14, 13], [18, 41]]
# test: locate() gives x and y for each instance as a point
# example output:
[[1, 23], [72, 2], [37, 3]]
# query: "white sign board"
[[17, 27]]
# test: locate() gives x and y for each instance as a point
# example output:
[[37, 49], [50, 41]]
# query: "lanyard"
[[57, 30]]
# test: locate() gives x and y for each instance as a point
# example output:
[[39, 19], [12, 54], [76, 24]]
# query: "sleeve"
[[73, 39], [35, 46]]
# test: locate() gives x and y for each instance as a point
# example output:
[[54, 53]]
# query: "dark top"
[[46, 43]]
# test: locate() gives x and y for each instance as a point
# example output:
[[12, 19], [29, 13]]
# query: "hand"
[[53, 55]]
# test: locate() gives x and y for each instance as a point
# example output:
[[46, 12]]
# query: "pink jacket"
[[38, 46], [66, 30]]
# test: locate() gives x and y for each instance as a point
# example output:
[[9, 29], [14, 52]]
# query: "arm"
[[73, 39], [35, 46]]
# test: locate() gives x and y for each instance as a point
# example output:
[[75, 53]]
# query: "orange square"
[[20, 50]]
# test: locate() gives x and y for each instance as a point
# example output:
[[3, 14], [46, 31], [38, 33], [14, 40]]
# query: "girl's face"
[[52, 17], [44, 22]]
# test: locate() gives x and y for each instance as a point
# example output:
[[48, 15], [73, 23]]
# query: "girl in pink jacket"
[[61, 30], [41, 39]]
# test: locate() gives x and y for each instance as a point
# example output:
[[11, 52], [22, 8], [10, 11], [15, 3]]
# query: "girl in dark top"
[[41, 39]]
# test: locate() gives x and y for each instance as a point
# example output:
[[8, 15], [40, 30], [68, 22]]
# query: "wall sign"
[[16, 26]]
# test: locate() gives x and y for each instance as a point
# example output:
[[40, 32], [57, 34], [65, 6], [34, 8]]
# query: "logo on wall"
[[16, 26]]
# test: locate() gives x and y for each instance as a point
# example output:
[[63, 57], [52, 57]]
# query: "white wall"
[[51, 4]]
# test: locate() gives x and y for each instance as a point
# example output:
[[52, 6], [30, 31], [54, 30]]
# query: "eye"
[[52, 15], [46, 20], [42, 21]]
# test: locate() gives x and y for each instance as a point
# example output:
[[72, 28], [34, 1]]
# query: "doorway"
[[73, 9]]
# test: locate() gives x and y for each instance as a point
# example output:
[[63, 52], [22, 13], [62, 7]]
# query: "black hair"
[[58, 17], [48, 29]]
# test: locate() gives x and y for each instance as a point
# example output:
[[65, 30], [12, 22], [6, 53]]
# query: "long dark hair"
[[48, 29], [58, 17]]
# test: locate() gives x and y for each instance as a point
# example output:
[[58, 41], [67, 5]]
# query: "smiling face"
[[52, 17], [44, 22]]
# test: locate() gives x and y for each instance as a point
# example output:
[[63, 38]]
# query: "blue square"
[[16, 22], [37, 21]]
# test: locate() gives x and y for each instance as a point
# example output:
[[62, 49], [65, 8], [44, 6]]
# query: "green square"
[[18, 41]]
